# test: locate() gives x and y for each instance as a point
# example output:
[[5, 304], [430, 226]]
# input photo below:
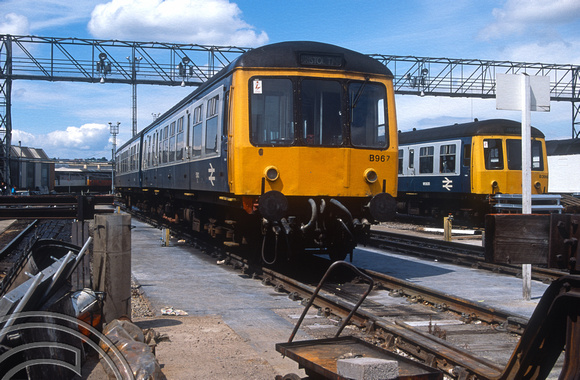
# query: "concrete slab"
[[186, 279], [4, 224], [497, 290]]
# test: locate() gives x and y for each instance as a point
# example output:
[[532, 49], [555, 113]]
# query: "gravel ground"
[[192, 347]]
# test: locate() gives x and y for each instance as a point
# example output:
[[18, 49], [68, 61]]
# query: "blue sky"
[[70, 120]]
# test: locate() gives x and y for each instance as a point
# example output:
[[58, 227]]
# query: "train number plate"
[[379, 158]]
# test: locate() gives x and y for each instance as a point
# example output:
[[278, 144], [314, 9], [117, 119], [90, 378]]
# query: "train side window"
[[179, 141], [467, 155], [271, 112], [447, 158], [197, 114], [166, 144], [172, 142], [400, 161], [146, 152], [211, 125], [426, 159], [411, 158], [493, 154], [156, 149], [196, 133], [188, 132]]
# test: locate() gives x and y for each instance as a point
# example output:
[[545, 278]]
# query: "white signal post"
[[525, 93]]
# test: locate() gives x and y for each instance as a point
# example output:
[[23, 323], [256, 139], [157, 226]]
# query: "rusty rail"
[[81, 207]]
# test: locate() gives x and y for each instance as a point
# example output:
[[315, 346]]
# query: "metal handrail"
[[311, 301]]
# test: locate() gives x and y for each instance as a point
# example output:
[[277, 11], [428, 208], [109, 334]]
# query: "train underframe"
[[278, 229], [468, 208]]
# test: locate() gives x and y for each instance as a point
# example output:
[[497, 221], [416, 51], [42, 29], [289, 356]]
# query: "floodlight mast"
[[114, 132]]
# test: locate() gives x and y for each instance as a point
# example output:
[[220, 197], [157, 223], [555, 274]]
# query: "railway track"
[[18, 238], [453, 252], [464, 339]]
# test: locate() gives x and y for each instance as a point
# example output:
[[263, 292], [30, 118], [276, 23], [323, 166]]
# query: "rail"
[[81, 207], [456, 253]]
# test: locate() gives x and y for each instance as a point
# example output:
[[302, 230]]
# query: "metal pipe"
[[23, 301], [313, 218], [343, 208]]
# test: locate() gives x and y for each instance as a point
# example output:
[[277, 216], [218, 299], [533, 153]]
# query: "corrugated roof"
[[563, 147], [28, 153]]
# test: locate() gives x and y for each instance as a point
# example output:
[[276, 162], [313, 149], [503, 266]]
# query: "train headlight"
[[494, 184], [271, 173], [537, 185], [371, 175]]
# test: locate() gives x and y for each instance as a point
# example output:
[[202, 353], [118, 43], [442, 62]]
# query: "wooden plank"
[[517, 238]]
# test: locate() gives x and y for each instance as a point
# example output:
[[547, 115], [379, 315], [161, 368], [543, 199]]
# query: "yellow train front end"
[[313, 152], [497, 165]]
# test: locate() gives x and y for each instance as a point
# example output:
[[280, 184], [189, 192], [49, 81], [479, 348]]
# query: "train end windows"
[[493, 154]]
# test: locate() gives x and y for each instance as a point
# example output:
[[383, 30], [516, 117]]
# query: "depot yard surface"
[[234, 322]]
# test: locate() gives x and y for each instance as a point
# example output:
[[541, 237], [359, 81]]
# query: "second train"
[[458, 169]]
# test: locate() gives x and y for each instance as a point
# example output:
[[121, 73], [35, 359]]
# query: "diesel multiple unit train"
[[458, 168], [291, 147]]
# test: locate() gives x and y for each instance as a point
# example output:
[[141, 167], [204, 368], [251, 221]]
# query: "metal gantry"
[[475, 78], [101, 61], [170, 64]]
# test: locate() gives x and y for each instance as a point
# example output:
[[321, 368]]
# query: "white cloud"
[[519, 17], [552, 52], [215, 22], [12, 23], [43, 15], [87, 141]]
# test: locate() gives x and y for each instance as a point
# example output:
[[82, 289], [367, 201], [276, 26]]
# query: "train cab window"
[[493, 154], [321, 122], [179, 140], [271, 112], [211, 125], [537, 156], [367, 115], [447, 158], [426, 159], [196, 133], [514, 155], [400, 161]]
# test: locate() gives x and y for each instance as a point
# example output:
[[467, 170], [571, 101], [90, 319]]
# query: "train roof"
[[479, 127], [293, 54], [290, 54], [563, 147]]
